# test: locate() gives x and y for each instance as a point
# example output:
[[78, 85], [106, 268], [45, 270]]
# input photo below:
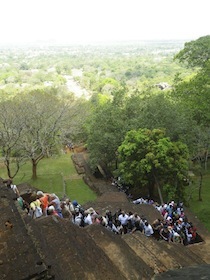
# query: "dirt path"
[[75, 87]]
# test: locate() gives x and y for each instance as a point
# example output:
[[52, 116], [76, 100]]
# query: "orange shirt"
[[44, 201]]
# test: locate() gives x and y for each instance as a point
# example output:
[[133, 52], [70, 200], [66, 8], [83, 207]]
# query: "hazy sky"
[[102, 20]]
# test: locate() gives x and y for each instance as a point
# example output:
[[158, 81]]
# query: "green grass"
[[201, 208], [55, 175]]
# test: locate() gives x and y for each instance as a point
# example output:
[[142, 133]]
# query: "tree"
[[194, 94], [161, 111], [42, 116], [106, 129], [73, 127], [149, 159], [11, 133], [195, 53], [36, 124]]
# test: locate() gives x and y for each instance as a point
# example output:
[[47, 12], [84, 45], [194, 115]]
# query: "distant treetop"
[[195, 53]]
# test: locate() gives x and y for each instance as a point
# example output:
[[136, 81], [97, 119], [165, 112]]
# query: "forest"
[[140, 108]]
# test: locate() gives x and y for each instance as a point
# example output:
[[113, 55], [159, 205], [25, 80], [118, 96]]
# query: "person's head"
[[86, 213], [91, 210], [68, 200], [63, 204], [33, 196], [51, 209], [53, 196], [146, 223], [39, 194], [180, 221], [75, 203]]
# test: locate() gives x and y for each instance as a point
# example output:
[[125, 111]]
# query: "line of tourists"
[[120, 222], [173, 227]]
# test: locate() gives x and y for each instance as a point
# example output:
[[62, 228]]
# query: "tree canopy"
[[195, 53], [106, 129], [35, 125], [149, 159]]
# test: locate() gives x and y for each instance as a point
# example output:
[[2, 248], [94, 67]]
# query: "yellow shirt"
[[34, 204]]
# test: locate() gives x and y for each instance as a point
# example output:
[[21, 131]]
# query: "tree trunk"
[[7, 163], [151, 186], [200, 187], [34, 169], [159, 190], [160, 194], [116, 163], [206, 158]]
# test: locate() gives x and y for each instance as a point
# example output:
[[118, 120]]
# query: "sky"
[[80, 21]]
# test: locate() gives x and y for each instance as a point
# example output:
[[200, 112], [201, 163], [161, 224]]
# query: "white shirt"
[[123, 219], [88, 220], [14, 188], [78, 219], [148, 231]]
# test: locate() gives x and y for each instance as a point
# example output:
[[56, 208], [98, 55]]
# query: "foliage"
[[42, 116], [194, 93], [200, 208], [149, 159], [37, 128], [106, 129], [103, 67], [11, 132], [160, 110], [195, 53]]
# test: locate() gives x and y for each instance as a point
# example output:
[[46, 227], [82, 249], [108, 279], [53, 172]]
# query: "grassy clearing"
[[201, 208], [55, 175]]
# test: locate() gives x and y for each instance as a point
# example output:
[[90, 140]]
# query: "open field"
[[55, 175]]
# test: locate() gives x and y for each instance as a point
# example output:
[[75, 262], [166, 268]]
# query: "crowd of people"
[[172, 227], [120, 222]]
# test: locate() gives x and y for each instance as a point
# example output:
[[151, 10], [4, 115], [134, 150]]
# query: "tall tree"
[[195, 93], [43, 115], [11, 133], [149, 159], [161, 111], [106, 129]]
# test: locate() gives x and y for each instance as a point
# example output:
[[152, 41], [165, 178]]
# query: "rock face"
[[163, 86], [19, 258], [54, 248]]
